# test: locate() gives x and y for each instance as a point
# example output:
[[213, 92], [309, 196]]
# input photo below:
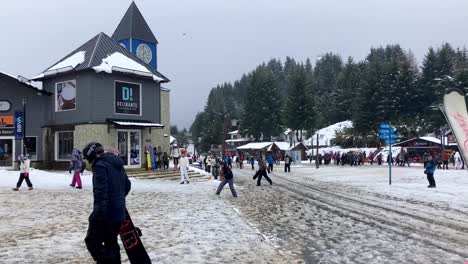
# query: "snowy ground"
[[180, 223], [327, 215]]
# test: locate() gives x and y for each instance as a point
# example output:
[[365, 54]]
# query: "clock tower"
[[135, 35]]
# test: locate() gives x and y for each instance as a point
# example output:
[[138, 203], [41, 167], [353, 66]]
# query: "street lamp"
[[24, 126]]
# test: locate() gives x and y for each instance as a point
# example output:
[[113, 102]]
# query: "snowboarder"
[[165, 159], [429, 169], [287, 163], [229, 179], [175, 154], [77, 166], [110, 186], [262, 172], [24, 165], [270, 163], [183, 166]]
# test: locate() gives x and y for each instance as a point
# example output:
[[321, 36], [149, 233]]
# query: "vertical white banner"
[[457, 117]]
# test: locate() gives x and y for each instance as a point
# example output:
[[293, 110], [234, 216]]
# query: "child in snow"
[[165, 159], [25, 163], [183, 166], [229, 179], [77, 166]]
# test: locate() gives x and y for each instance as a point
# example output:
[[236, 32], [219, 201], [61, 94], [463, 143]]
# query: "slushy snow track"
[[355, 225]]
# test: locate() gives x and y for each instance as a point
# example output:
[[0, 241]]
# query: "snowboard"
[[130, 236], [148, 158], [455, 112]]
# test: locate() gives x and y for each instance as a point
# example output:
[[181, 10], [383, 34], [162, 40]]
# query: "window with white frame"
[[31, 147], [63, 145]]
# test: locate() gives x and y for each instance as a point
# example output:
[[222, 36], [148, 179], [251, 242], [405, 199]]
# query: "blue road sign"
[[393, 136], [390, 141], [384, 126], [384, 136], [384, 131]]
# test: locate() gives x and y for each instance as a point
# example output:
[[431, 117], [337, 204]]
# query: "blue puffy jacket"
[[430, 167], [110, 186]]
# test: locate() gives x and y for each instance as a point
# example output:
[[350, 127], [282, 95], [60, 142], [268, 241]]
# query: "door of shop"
[[7, 152], [129, 145]]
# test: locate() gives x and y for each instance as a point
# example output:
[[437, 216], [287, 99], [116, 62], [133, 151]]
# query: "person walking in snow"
[[429, 169], [24, 165], [165, 159], [287, 163], [175, 154], [458, 160], [262, 172], [183, 167], [228, 179], [77, 166], [270, 163], [252, 162], [110, 187]]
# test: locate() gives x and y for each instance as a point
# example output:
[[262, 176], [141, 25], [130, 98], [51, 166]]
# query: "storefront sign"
[[19, 123], [7, 121], [5, 106], [127, 98]]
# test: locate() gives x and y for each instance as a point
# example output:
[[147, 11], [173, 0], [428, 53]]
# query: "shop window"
[[63, 145], [65, 96], [31, 147]]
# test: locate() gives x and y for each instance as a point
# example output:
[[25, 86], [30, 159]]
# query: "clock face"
[[144, 53]]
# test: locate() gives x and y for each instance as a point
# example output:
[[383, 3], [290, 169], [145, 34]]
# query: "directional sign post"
[[387, 133]]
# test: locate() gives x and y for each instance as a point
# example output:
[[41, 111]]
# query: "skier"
[[229, 179], [77, 166], [429, 169], [165, 159], [183, 166], [110, 186], [262, 172], [287, 163], [24, 164], [175, 154], [270, 163]]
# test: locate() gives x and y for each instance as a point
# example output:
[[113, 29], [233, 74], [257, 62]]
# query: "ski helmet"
[[91, 150]]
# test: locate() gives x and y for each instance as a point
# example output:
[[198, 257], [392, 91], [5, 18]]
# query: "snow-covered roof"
[[26, 81], [72, 61], [237, 140], [256, 145], [172, 139], [328, 133], [125, 123], [282, 145], [233, 132], [119, 62], [102, 54]]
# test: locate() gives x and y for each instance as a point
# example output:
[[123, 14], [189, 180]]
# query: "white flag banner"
[[457, 117]]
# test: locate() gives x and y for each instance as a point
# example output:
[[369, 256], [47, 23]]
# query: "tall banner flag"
[[457, 117], [19, 123]]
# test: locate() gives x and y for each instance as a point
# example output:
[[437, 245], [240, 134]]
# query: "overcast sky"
[[226, 38]]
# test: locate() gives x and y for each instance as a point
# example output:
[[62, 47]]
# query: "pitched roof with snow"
[[256, 145], [26, 82], [101, 53], [133, 25]]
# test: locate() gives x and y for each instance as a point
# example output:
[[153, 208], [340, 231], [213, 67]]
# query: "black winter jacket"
[[110, 186]]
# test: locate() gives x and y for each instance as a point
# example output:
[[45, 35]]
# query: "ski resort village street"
[[328, 215]]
